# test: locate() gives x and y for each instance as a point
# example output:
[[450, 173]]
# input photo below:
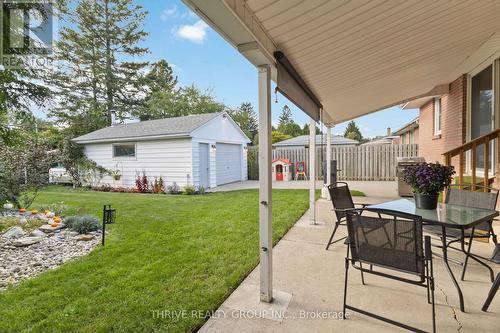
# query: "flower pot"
[[426, 201]]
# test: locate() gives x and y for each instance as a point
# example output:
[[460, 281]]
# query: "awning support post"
[[312, 171], [265, 185], [325, 193]]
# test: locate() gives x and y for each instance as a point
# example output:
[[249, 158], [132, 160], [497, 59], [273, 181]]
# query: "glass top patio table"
[[448, 215]]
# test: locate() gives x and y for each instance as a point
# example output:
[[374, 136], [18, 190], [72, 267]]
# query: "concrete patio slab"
[[314, 278], [245, 303]]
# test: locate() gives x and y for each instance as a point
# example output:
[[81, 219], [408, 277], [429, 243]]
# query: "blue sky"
[[199, 55]]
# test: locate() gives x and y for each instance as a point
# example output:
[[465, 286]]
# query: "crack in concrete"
[[452, 309]]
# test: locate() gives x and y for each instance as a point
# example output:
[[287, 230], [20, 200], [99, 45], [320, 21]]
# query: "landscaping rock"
[[38, 233], [26, 241], [49, 252], [13, 232], [86, 238], [50, 229]]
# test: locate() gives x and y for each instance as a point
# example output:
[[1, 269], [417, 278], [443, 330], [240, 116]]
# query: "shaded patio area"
[[308, 289]]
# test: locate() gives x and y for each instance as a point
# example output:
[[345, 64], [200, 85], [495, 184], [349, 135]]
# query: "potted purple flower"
[[427, 180]]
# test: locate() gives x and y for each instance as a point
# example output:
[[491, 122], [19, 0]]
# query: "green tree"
[[23, 172], [246, 118], [352, 132], [96, 76], [181, 102], [278, 136], [161, 92], [20, 91], [286, 124]]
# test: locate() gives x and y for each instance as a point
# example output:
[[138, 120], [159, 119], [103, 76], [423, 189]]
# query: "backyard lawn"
[[165, 253]]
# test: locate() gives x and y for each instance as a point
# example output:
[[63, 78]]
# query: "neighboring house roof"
[[408, 127], [303, 140], [385, 140], [168, 127]]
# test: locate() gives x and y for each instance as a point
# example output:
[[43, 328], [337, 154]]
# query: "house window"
[[437, 116], [124, 150]]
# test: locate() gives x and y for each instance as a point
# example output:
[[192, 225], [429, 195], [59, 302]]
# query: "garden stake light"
[[108, 216]]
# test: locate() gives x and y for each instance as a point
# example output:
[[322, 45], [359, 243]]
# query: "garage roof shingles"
[[178, 126]]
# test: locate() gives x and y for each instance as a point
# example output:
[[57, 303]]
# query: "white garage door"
[[228, 163]]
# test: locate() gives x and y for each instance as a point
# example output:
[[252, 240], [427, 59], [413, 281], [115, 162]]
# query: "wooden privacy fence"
[[368, 162]]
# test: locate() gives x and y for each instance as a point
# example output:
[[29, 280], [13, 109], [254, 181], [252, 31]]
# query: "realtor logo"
[[26, 27]]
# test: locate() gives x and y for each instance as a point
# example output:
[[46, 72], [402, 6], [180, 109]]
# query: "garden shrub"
[[83, 224], [174, 188], [190, 190], [70, 221], [157, 186]]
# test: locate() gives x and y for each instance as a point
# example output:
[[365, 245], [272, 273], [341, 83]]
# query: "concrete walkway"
[[377, 189], [308, 282]]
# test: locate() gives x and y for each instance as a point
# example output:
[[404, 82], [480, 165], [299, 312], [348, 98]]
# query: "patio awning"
[[361, 56]]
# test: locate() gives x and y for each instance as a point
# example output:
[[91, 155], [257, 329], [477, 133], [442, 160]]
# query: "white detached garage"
[[201, 150]]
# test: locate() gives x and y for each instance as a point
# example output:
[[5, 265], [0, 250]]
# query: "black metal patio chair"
[[342, 201], [491, 293], [464, 195], [393, 241]]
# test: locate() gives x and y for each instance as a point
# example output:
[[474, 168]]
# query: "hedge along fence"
[[368, 162]]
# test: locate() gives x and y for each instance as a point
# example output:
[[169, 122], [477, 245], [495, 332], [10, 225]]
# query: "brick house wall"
[[405, 138], [453, 122]]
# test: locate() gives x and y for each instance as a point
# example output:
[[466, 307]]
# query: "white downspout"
[[312, 171], [325, 193]]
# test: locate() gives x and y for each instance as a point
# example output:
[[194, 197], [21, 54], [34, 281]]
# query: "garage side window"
[[124, 150]]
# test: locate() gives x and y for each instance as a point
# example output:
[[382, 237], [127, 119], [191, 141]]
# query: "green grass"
[[164, 253], [356, 193]]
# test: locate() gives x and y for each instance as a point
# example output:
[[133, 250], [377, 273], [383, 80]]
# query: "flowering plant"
[[428, 178]]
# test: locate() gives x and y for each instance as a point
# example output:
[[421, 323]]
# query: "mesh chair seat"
[[463, 195], [393, 241], [387, 242]]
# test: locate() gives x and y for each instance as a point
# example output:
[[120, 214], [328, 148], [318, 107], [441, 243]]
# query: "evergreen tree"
[[20, 90], [246, 118], [160, 85], [352, 132], [96, 77], [285, 117], [180, 102], [286, 125]]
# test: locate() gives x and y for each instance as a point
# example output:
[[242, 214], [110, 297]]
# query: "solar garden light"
[[108, 216]]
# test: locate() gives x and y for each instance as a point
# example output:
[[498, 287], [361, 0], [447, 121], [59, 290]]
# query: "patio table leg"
[[450, 272], [472, 256]]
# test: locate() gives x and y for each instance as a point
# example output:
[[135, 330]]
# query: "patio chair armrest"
[[427, 248], [361, 204], [344, 210]]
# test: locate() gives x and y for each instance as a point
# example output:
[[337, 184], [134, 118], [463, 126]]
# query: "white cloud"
[[168, 13], [195, 33]]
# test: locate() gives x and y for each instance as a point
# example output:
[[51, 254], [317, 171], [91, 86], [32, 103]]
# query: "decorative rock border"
[[26, 257]]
